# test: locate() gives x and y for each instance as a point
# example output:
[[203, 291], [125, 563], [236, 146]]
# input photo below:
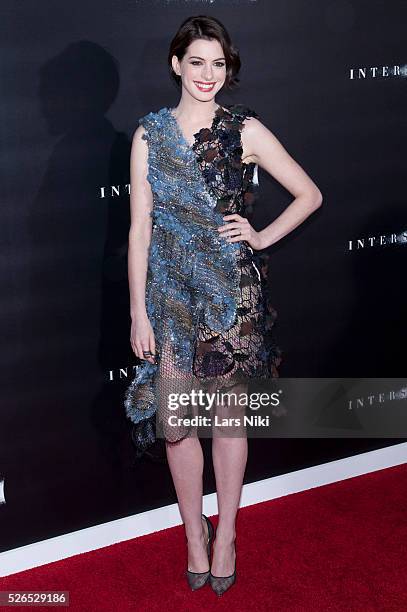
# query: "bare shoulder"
[[139, 148], [139, 153], [260, 144], [139, 133], [253, 128], [253, 131], [252, 123], [262, 147]]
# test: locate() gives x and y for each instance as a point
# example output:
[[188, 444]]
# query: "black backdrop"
[[75, 79]]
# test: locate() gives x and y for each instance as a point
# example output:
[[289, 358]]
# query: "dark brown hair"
[[207, 28]]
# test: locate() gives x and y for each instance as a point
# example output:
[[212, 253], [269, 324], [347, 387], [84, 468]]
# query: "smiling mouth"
[[204, 86]]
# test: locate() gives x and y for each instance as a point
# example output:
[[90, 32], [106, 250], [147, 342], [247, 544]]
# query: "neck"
[[196, 109]]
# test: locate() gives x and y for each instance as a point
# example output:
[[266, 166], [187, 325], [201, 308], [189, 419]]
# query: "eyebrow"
[[201, 58]]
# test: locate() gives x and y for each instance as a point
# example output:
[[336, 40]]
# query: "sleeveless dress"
[[207, 300]]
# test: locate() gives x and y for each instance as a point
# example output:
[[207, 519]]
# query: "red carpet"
[[339, 547]]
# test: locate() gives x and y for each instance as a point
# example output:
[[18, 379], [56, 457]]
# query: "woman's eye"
[[217, 64]]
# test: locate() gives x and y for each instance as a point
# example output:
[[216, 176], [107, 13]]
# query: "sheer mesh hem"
[[171, 384]]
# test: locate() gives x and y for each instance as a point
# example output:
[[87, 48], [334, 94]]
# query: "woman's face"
[[202, 69]]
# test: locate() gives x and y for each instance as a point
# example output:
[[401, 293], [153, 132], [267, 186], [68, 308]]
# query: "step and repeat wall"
[[329, 80]]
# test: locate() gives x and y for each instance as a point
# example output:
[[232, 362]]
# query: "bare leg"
[[229, 460], [185, 459]]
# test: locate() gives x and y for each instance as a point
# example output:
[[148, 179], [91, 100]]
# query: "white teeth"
[[204, 86]]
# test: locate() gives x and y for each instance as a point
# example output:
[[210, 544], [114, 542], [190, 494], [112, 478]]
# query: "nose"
[[207, 73]]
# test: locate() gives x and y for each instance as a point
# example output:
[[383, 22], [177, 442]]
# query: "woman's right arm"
[[141, 205]]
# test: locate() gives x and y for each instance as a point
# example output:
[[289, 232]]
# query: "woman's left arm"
[[264, 149], [267, 151]]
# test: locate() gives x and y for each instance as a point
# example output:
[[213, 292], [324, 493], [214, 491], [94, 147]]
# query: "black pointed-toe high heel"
[[196, 580], [220, 584]]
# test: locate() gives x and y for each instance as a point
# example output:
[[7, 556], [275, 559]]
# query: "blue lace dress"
[[208, 300]]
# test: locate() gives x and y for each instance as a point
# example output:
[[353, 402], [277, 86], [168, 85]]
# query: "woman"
[[199, 305]]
